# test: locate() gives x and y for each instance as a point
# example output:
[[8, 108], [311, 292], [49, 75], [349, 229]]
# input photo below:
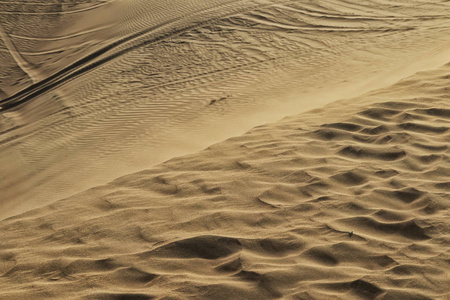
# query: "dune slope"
[[92, 90], [349, 201]]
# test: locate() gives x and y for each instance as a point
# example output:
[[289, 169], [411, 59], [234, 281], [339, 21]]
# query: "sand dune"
[[347, 198], [349, 201], [138, 82]]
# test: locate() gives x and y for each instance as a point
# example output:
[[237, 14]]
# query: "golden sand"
[[345, 198]]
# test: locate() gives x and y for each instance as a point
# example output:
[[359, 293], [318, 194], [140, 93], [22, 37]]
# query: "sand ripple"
[[136, 82], [349, 201]]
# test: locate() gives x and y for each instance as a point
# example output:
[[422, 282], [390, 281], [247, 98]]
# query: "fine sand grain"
[[349, 201], [346, 198], [92, 90]]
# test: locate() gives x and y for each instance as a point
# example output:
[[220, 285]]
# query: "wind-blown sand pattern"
[[138, 82], [354, 207], [349, 200]]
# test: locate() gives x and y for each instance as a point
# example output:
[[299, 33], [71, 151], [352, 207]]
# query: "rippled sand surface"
[[96, 89], [345, 199]]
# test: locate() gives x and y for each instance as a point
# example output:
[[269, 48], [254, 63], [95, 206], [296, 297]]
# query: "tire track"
[[94, 59]]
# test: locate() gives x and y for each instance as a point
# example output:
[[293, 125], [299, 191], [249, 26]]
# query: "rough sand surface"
[[350, 201], [92, 90]]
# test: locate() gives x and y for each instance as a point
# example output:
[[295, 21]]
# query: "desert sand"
[[225, 149]]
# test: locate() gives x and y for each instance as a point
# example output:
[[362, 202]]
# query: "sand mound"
[[349, 201]]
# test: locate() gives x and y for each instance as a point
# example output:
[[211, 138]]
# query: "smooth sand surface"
[[346, 198]]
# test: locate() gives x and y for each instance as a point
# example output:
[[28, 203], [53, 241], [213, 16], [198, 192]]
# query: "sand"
[[99, 89], [352, 208], [345, 198]]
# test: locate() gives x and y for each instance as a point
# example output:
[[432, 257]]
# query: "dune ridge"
[[347, 201]]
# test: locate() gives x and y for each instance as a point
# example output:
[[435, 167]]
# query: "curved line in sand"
[[28, 68], [54, 13], [58, 38], [94, 59]]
